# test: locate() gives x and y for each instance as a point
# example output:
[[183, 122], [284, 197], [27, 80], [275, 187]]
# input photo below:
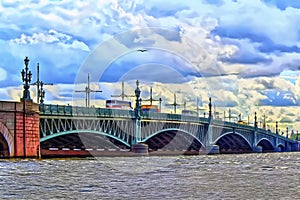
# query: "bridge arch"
[[173, 139], [281, 147], [233, 142], [266, 144], [84, 136], [6, 142]]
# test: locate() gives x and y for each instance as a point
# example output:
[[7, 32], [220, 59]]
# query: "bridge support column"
[[140, 149], [137, 132], [296, 147], [276, 140], [27, 132], [257, 149], [19, 127], [212, 149], [288, 148], [277, 149]]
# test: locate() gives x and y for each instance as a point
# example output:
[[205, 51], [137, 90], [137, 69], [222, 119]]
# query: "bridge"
[[81, 128], [28, 129], [60, 130]]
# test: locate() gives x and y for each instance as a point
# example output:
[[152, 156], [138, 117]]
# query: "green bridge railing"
[[67, 110]]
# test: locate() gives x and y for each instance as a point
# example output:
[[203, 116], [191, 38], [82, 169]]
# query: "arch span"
[[233, 142], [173, 139], [266, 145], [7, 141], [281, 144], [83, 138], [280, 147]]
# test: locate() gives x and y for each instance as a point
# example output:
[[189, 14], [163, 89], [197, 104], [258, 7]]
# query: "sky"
[[245, 55]]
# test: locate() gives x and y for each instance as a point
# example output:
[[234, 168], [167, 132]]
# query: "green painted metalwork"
[[48, 137], [67, 112], [265, 139], [172, 129], [236, 133]]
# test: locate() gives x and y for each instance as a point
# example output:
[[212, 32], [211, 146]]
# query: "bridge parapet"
[[173, 117], [67, 110], [264, 132], [270, 134]]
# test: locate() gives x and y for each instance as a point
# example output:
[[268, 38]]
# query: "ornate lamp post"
[[26, 78], [255, 120], [137, 92], [41, 93], [277, 133], [210, 109], [160, 100], [137, 113]]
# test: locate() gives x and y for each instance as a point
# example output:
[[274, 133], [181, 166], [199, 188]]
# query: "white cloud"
[[3, 74], [76, 45], [60, 34], [34, 39], [52, 36]]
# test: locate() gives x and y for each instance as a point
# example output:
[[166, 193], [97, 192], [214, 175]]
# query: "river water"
[[239, 176]]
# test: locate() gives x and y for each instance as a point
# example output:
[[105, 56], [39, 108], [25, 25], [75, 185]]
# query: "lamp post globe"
[[26, 78]]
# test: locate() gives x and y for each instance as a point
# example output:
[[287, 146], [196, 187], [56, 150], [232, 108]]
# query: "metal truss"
[[119, 128], [120, 124]]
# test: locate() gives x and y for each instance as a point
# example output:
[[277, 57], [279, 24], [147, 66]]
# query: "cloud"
[[3, 74], [293, 65], [276, 98], [52, 36], [239, 31], [282, 5], [164, 10], [215, 2], [256, 21], [11, 93], [266, 91], [245, 57], [285, 120], [68, 29], [270, 47], [190, 43]]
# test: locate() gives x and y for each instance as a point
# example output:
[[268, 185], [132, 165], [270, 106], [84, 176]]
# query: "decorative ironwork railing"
[[68, 110]]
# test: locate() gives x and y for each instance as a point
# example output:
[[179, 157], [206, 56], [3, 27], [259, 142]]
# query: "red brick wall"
[[11, 115], [32, 133]]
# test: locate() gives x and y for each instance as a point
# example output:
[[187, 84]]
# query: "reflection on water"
[[241, 176]]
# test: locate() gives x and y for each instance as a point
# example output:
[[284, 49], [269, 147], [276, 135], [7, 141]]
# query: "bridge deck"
[[50, 110], [161, 128]]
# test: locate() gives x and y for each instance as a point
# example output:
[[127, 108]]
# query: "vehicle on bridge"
[[242, 122], [118, 104], [150, 108]]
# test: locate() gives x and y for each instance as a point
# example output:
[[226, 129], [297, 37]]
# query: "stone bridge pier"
[[19, 129]]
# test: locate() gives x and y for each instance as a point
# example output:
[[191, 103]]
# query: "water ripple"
[[246, 176]]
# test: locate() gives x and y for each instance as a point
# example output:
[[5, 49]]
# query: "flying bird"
[[142, 50]]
